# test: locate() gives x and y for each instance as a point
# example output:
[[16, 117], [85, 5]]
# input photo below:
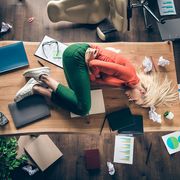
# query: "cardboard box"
[[24, 141], [43, 152]]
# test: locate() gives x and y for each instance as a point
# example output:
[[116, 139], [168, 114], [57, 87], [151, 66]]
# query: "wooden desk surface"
[[60, 120]]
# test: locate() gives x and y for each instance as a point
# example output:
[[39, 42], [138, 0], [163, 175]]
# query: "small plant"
[[8, 160]]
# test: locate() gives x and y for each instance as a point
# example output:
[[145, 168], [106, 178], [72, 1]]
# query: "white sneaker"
[[36, 72], [26, 90]]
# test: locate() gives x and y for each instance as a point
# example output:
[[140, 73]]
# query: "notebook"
[[92, 159], [120, 119], [97, 103], [29, 110], [12, 57], [136, 128]]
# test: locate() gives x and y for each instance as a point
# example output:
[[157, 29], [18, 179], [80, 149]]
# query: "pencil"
[[102, 126], [153, 64], [148, 154]]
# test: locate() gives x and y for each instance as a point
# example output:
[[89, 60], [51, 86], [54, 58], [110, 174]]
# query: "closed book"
[[12, 57], [92, 159], [136, 128]]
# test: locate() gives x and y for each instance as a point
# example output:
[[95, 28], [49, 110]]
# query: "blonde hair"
[[159, 90]]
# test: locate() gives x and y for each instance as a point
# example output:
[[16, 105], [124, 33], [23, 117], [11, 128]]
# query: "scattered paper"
[[163, 62], [29, 170], [172, 142], [5, 27], [31, 19], [51, 50], [97, 103], [123, 150], [154, 115], [111, 169], [166, 7], [147, 64]]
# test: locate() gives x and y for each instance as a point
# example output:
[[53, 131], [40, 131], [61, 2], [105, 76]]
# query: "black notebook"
[[136, 128], [120, 119], [29, 110]]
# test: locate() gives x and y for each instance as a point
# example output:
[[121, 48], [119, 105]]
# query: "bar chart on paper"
[[123, 150]]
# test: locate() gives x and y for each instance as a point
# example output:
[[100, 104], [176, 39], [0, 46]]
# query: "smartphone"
[[3, 119]]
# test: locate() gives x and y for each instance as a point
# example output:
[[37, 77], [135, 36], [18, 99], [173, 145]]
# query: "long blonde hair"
[[159, 90]]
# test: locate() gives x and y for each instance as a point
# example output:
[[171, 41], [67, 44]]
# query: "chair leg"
[[147, 26]]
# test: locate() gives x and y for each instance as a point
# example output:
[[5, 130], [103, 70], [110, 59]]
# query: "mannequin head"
[[157, 91]]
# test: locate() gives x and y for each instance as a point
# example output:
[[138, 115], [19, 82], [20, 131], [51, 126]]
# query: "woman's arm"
[[110, 81], [114, 74], [111, 68]]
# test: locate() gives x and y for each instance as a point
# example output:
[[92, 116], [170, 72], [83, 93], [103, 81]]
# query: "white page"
[[50, 55], [166, 7], [123, 149], [97, 103], [172, 142]]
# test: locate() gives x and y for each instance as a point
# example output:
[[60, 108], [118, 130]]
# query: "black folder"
[[136, 128], [29, 110], [120, 119]]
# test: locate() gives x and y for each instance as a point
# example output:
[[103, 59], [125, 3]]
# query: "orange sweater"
[[112, 69]]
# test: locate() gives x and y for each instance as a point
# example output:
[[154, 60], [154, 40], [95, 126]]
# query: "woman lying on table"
[[83, 63]]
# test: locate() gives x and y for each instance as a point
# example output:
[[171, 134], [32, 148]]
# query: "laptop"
[[136, 128], [29, 110]]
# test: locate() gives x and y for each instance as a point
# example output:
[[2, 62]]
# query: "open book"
[[51, 50]]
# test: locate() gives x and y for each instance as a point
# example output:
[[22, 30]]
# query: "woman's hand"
[[90, 54]]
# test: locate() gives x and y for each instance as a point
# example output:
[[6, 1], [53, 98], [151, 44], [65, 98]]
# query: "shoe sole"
[[34, 69]]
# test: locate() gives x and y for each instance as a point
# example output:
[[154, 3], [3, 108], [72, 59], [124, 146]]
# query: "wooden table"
[[60, 120]]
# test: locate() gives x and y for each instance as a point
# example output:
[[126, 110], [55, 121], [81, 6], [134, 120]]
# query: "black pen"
[[148, 154], [40, 63]]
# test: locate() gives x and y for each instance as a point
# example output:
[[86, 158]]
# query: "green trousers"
[[75, 98]]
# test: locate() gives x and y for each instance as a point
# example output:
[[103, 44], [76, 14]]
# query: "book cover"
[[12, 57]]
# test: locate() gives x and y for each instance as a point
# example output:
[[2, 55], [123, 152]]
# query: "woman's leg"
[[77, 98]]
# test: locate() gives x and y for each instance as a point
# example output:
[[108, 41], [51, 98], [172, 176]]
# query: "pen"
[[102, 126], [41, 63], [148, 154]]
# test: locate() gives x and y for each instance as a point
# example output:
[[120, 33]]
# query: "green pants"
[[75, 98]]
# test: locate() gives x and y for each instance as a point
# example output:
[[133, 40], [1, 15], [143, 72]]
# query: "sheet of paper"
[[123, 149], [166, 7], [172, 142], [97, 103], [51, 50]]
